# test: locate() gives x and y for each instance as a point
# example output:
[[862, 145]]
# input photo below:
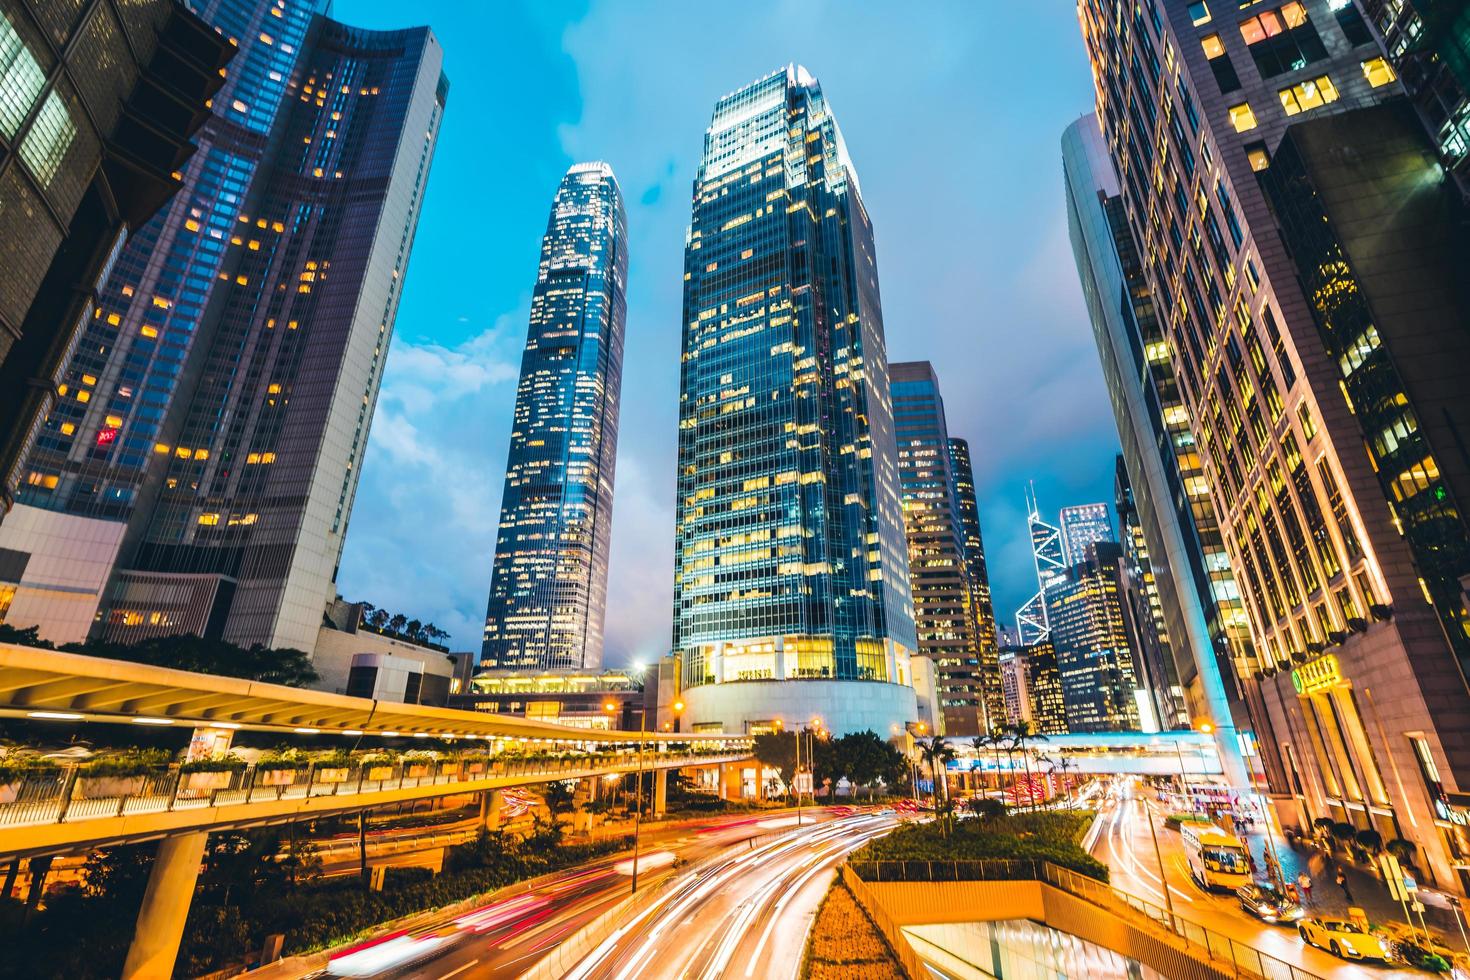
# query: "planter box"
[[9, 791], [204, 781], [275, 777], [331, 775], [417, 771], [449, 769], [476, 767], [376, 774], [98, 787]]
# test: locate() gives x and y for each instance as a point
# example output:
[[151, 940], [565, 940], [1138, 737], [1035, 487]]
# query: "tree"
[[986, 808], [868, 758], [414, 629], [381, 618], [397, 623], [777, 750], [1025, 730], [366, 615], [559, 796], [28, 637], [193, 653]]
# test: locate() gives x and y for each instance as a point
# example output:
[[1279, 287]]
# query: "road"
[[507, 936], [745, 916], [1125, 845]]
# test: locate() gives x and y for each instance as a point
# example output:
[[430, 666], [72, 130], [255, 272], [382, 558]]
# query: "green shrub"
[[13, 769], [125, 764], [1175, 820], [1042, 836], [228, 763]]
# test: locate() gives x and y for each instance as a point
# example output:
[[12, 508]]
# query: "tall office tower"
[[969, 511], [1083, 525], [1050, 559], [224, 409], [792, 596], [1015, 687], [1143, 608], [1203, 616], [99, 103], [548, 587], [1089, 634], [1298, 238], [1045, 707], [946, 608]]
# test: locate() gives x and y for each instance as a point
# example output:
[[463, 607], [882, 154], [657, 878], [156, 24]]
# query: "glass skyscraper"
[[792, 596], [963, 474], [1084, 525], [548, 587], [1094, 652], [219, 403]]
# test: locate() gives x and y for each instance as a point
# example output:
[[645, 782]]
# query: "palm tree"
[[1026, 729], [935, 752], [980, 744]]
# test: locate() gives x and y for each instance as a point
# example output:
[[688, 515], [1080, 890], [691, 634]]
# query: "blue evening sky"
[[953, 113]]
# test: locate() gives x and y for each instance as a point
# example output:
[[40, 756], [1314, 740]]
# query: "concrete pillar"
[[730, 779], [491, 803], [660, 792], [165, 908]]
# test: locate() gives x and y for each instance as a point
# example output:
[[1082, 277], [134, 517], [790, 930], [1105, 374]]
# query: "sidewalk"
[[1368, 891]]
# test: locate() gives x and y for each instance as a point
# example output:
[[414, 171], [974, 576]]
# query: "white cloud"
[[422, 536]]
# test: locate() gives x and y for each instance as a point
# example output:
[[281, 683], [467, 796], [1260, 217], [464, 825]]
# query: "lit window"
[[21, 79], [1378, 72], [1213, 46], [1199, 12], [1258, 157], [208, 518], [67, 428], [1308, 94], [148, 331], [1242, 118], [50, 137]]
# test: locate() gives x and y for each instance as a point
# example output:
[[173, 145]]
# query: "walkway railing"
[[1244, 959], [70, 794]]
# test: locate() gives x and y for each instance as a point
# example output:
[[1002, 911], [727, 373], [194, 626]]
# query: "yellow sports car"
[[1343, 939]]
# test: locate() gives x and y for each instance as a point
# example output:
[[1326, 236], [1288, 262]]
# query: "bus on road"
[[1216, 859]]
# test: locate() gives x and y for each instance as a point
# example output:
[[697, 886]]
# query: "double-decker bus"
[[1216, 859]]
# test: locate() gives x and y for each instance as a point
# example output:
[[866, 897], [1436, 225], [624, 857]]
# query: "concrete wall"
[[332, 657], [68, 560]]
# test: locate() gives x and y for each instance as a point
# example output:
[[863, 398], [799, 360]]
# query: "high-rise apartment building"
[[99, 103], [1084, 525], [946, 608], [1033, 688], [218, 406], [1089, 634], [969, 512], [1297, 235], [548, 587], [792, 596], [1202, 615], [1015, 686]]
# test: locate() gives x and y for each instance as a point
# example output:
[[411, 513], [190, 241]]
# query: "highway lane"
[[745, 916], [507, 936], [1127, 848]]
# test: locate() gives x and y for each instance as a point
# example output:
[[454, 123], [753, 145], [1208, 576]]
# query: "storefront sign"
[[1317, 675]]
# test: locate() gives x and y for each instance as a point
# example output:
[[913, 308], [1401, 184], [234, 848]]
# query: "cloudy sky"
[[953, 113]]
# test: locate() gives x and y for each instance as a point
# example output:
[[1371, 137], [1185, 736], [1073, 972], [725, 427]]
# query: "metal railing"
[[70, 794], [1245, 960]]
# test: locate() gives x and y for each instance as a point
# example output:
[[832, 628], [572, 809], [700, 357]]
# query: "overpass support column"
[[731, 776], [660, 792], [165, 907], [491, 802]]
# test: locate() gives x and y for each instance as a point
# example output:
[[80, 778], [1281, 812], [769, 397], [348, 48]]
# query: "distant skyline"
[[961, 173]]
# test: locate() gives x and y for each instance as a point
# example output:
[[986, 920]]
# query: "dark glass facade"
[[790, 554], [98, 105], [248, 336], [1084, 525], [548, 587]]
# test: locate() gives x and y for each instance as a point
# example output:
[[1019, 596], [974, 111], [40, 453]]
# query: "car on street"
[[1266, 902], [1343, 939]]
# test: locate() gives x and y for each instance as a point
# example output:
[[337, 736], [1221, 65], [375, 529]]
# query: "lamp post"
[[1148, 814]]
